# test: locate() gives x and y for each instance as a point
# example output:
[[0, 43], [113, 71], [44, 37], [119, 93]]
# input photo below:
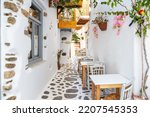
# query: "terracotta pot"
[[77, 45], [102, 26]]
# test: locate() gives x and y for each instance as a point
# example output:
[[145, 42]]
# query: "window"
[[35, 31]]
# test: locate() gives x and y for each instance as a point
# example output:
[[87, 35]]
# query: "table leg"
[[83, 75], [78, 66], [118, 92], [98, 93], [93, 91], [87, 78]]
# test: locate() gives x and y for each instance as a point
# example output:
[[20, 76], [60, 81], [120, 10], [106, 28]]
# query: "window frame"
[[36, 22]]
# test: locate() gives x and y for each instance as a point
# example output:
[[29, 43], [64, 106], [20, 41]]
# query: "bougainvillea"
[[118, 22], [55, 1]]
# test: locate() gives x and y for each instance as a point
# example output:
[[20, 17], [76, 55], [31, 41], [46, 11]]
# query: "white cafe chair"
[[126, 93], [95, 69]]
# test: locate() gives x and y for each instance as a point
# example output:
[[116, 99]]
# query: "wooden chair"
[[126, 94], [79, 63], [96, 69]]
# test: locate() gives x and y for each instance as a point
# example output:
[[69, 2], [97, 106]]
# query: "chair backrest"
[[127, 92], [97, 69], [87, 59], [81, 52]]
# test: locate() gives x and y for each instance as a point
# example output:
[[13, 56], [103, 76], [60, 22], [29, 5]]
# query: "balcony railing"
[[67, 18]]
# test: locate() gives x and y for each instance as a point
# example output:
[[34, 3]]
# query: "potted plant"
[[76, 40], [101, 20]]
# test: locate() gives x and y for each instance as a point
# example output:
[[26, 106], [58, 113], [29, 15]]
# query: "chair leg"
[[88, 79], [93, 91], [88, 83]]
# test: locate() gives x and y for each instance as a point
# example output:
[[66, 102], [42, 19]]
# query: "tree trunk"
[[58, 62], [145, 77]]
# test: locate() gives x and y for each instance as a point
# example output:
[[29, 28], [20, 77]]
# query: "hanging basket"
[[102, 26], [76, 45]]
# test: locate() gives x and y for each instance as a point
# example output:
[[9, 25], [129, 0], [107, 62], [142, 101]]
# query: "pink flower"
[[119, 17], [118, 22], [95, 31], [55, 1]]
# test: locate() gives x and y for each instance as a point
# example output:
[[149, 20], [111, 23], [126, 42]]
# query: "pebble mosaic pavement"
[[66, 85]]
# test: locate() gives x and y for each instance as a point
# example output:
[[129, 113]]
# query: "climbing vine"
[[140, 14]]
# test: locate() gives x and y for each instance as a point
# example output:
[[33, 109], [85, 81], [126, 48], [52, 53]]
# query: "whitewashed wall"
[[66, 47], [83, 32], [122, 54], [116, 51], [29, 82], [0, 53]]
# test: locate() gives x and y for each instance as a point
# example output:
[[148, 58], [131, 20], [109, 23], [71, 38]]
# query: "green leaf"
[[112, 4], [109, 13]]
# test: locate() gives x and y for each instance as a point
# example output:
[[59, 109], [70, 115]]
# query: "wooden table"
[[107, 81], [79, 60], [84, 65]]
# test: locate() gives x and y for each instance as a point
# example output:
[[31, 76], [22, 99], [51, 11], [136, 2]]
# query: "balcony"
[[66, 3], [67, 18]]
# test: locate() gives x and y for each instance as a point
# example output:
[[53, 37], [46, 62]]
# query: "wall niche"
[[64, 38], [64, 54]]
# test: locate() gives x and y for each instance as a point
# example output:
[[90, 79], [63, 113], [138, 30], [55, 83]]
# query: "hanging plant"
[[118, 22], [101, 20], [63, 3], [68, 14]]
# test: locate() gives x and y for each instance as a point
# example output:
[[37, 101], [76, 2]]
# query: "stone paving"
[[66, 85]]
